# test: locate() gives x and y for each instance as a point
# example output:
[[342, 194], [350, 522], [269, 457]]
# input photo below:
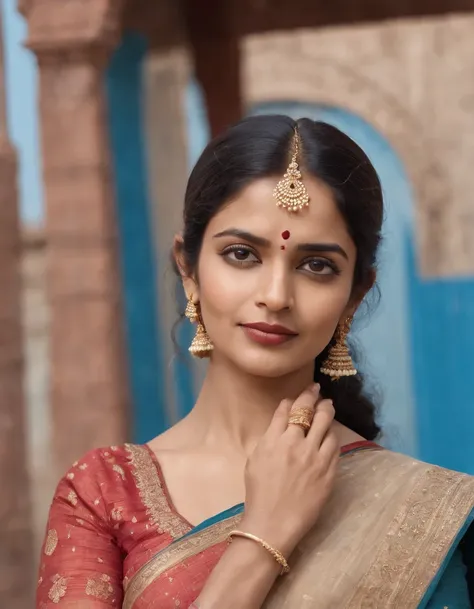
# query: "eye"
[[320, 266], [240, 254]]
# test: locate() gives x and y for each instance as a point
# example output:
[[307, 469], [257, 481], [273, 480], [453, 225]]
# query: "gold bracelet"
[[278, 556]]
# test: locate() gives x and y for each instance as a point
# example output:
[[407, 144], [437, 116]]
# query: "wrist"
[[277, 537]]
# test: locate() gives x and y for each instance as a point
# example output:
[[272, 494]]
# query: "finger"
[[334, 463], [307, 401], [329, 449], [279, 422], [322, 421]]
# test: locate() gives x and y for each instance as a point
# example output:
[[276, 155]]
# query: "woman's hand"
[[290, 475]]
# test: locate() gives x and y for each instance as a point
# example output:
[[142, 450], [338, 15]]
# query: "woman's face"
[[262, 265]]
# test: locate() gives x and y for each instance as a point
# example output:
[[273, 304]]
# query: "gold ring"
[[301, 421], [308, 413]]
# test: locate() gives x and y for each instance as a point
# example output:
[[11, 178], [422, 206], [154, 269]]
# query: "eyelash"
[[246, 263]]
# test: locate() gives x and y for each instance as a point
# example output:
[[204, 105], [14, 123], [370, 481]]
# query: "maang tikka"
[[290, 192], [202, 345]]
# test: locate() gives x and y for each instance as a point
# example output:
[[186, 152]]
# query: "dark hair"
[[258, 147]]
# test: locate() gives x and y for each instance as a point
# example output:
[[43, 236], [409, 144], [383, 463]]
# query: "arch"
[[386, 335], [281, 66]]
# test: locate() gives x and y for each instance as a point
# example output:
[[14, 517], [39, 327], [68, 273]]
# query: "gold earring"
[[339, 361], [191, 311], [202, 345]]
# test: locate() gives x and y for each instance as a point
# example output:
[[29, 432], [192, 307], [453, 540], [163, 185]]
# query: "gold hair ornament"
[[290, 192]]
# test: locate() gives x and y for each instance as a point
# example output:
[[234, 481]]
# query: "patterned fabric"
[[115, 539], [110, 514]]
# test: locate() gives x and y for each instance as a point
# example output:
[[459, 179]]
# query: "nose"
[[275, 290]]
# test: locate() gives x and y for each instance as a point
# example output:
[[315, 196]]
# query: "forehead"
[[255, 210]]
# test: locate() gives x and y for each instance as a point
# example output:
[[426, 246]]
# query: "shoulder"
[[103, 476]]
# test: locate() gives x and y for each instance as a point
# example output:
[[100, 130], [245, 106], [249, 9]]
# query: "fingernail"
[[316, 387]]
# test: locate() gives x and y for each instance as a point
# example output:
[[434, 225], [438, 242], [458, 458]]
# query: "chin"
[[266, 365]]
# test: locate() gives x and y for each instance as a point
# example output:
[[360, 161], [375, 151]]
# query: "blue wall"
[[125, 120], [443, 362]]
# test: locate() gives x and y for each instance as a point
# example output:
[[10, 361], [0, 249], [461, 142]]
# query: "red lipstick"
[[268, 334]]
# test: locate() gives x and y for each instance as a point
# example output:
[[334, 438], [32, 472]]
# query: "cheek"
[[220, 288], [324, 307]]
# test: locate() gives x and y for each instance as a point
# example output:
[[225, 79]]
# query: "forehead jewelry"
[[290, 192]]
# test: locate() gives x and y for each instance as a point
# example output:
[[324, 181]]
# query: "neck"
[[234, 409]]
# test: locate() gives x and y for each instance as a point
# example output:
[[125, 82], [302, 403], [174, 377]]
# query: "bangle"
[[278, 556]]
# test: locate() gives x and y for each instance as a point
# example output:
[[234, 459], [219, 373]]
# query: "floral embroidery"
[[51, 542], [134, 520], [97, 501], [58, 589], [152, 493], [100, 588], [75, 463], [99, 559], [83, 466], [116, 513], [70, 476], [119, 471], [125, 582], [72, 498], [114, 448], [40, 581], [79, 521]]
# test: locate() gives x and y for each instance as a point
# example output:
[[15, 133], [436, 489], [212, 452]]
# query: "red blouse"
[[110, 514]]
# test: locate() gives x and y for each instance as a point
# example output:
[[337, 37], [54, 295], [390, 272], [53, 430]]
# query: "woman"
[[282, 223]]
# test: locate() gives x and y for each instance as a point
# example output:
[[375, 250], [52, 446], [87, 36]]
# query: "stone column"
[[16, 552], [89, 396], [167, 76]]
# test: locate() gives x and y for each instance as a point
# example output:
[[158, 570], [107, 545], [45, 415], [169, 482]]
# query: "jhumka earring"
[[339, 361], [202, 345], [290, 192]]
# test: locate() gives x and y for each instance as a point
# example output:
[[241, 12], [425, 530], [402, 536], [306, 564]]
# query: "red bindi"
[[285, 234]]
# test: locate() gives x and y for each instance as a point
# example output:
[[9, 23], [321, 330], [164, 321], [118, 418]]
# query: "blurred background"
[[104, 107]]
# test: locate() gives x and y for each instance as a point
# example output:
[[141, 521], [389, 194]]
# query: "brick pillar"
[[16, 550], [89, 396]]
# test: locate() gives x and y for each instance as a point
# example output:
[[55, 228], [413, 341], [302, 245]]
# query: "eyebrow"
[[262, 242]]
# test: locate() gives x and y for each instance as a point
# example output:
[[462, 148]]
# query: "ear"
[[189, 282], [358, 296]]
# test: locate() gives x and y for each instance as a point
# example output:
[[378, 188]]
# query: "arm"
[[81, 565], [288, 479], [242, 578]]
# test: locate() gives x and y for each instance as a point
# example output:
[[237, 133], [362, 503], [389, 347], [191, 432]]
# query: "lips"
[[270, 328], [270, 335]]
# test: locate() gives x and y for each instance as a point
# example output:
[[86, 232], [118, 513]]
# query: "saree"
[[395, 534]]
